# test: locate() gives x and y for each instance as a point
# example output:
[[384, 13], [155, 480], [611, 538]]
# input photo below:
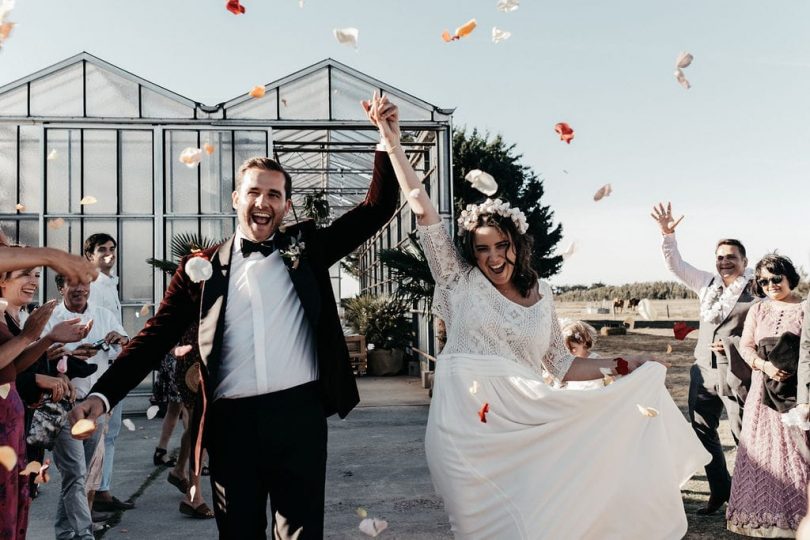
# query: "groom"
[[274, 359], [725, 298]]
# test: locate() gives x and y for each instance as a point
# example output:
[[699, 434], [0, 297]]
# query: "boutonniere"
[[294, 251], [198, 267]]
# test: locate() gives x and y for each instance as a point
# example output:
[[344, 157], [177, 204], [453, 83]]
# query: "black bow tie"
[[265, 248]]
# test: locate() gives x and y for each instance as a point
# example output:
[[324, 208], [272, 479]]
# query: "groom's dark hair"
[[732, 242], [265, 164]]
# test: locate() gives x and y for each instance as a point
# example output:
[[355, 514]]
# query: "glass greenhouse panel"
[[137, 171], [134, 247], [8, 169], [110, 95], [347, 92], [100, 164], [218, 229], [30, 168], [306, 98], [216, 176], [181, 181], [14, 102], [408, 110], [249, 144], [154, 105], [62, 170], [59, 94], [263, 108]]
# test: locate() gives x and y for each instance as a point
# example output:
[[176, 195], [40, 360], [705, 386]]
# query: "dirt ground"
[[696, 491]]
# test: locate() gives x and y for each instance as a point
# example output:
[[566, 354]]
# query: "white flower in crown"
[[469, 216]]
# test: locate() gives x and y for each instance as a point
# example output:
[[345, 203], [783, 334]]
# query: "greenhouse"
[[87, 147]]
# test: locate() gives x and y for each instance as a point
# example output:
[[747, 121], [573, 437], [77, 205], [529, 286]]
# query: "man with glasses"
[[725, 297]]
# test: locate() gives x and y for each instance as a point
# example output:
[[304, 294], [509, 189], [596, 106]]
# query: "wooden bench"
[[358, 355]]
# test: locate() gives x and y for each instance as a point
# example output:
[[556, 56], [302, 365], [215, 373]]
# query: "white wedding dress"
[[548, 463]]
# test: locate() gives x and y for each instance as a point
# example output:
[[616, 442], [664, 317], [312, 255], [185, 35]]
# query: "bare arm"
[[692, 277], [75, 269]]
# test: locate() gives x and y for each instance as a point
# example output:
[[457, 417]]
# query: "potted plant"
[[385, 323]]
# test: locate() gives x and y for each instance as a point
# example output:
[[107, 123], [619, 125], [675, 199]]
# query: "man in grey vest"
[[803, 373], [719, 376]]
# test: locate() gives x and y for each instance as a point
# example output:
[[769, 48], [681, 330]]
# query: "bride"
[[513, 457]]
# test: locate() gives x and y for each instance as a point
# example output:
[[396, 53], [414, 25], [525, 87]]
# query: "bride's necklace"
[[718, 302]]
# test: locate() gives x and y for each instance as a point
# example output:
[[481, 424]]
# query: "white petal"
[[507, 6], [681, 78], [52, 155], [199, 269], [373, 526], [499, 35], [572, 247], [474, 388], [182, 350], [152, 411], [88, 200], [362, 513], [683, 60], [647, 411], [4, 390], [62, 365], [483, 182], [603, 192], [646, 310], [346, 36], [190, 156], [414, 193], [127, 423]]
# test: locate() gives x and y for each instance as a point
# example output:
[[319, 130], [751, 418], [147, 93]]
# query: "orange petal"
[[182, 350], [20, 207], [56, 223], [89, 199], [466, 28], [482, 413], [42, 475], [257, 91], [447, 37], [82, 427], [649, 412], [33, 467], [5, 30], [209, 148], [669, 348], [8, 457], [144, 310]]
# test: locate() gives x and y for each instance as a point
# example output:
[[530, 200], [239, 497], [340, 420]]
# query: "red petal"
[[565, 132], [681, 330], [235, 7], [482, 414]]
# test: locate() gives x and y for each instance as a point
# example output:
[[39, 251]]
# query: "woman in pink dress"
[[769, 488]]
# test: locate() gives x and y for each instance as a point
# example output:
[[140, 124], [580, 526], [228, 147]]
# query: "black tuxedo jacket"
[[186, 304]]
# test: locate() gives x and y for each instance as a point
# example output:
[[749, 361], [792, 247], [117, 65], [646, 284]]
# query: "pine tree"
[[517, 183]]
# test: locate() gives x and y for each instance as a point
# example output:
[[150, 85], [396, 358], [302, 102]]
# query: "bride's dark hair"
[[524, 276]]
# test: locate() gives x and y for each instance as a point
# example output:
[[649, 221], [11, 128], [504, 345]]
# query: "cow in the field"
[[633, 303], [618, 305]]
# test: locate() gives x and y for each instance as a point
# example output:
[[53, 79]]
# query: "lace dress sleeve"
[[748, 345], [446, 265], [557, 359]]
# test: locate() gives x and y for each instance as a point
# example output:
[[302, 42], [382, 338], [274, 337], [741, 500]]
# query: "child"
[[579, 339]]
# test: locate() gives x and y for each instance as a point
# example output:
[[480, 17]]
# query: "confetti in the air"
[[152, 411], [683, 61], [681, 78], [8, 457], [182, 350], [483, 182], [190, 157], [257, 91], [83, 427], [681, 330], [33, 467], [508, 6], [570, 250], [6, 26], [20, 207], [62, 366], [373, 526], [482, 412], [462, 31], [669, 348], [4, 390], [647, 411], [42, 476], [89, 199], [565, 132], [474, 388], [209, 148], [499, 35], [199, 269], [361, 512], [602, 192], [646, 310], [129, 424], [52, 155], [56, 223], [347, 36], [235, 7], [144, 311]]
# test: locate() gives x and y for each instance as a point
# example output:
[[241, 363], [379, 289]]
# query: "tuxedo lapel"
[[212, 314]]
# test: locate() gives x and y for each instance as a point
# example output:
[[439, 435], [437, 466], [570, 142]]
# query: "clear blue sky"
[[733, 153]]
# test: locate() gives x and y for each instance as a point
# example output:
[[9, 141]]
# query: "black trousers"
[[705, 408], [273, 445]]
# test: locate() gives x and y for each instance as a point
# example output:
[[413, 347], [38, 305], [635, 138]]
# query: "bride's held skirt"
[[554, 463]]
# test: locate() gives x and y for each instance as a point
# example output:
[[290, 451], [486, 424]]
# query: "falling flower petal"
[[681, 78], [482, 412], [602, 192], [362, 513], [62, 366], [462, 31], [301, 3], [199, 269], [42, 476], [190, 157], [129, 424], [507, 6], [56, 223], [20, 207], [669, 348], [152, 411], [347, 36], [143, 312], [89, 199], [182, 350], [4, 390], [646, 310], [565, 132], [570, 250], [499, 35], [257, 91], [373, 526], [483, 182], [5, 30], [647, 411], [191, 491], [209, 148], [681, 330], [52, 155], [235, 7], [82, 427], [33, 467], [8, 457], [414, 193], [683, 60], [474, 387]]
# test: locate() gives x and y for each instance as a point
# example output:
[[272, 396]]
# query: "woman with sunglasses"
[[769, 489]]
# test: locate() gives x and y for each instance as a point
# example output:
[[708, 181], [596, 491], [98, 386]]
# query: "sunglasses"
[[776, 280]]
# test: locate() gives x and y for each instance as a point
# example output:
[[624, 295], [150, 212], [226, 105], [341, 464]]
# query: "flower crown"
[[469, 216]]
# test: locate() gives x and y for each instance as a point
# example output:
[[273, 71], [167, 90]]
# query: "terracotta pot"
[[385, 361]]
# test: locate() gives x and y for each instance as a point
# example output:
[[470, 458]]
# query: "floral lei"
[[718, 302], [469, 216]]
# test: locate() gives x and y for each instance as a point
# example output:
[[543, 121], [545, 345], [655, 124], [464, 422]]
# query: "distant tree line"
[[596, 292]]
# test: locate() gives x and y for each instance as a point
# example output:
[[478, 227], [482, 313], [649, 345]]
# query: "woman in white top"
[[511, 456]]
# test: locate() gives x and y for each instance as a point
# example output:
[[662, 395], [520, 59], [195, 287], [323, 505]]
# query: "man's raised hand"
[[89, 409], [663, 216]]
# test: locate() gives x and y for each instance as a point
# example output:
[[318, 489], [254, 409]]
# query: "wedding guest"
[[579, 338], [725, 298], [769, 491], [75, 269]]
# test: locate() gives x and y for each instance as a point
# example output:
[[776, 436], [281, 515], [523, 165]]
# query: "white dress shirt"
[[104, 293], [268, 343], [104, 322]]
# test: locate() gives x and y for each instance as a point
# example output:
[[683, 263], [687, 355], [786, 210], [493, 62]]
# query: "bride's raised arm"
[[385, 115]]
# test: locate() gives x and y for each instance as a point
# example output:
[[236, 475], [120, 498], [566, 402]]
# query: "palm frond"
[[409, 269], [185, 243], [166, 266]]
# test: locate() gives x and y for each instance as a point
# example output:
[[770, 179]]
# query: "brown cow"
[[618, 305]]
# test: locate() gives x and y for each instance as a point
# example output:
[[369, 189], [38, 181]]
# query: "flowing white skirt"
[[557, 464]]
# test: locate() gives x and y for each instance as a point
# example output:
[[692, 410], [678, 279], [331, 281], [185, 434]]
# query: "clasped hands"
[[385, 115]]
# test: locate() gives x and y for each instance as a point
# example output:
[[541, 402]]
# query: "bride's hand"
[[385, 115]]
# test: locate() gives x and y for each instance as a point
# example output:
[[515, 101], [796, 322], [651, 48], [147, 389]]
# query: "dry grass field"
[[665, 310]]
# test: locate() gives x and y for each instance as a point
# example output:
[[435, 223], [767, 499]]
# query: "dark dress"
[[14, 501]]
